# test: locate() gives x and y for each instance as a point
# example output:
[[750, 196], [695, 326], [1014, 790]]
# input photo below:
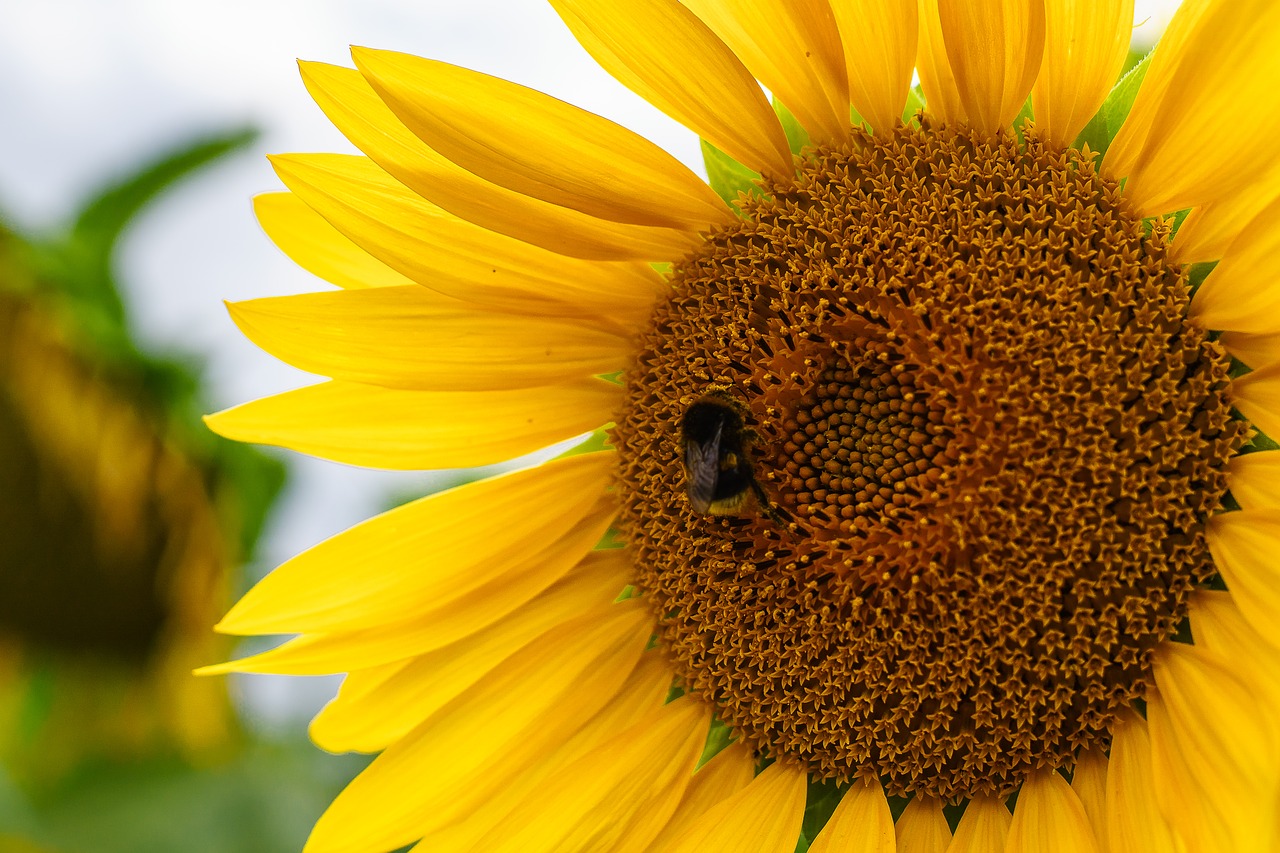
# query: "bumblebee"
[[717, 457]]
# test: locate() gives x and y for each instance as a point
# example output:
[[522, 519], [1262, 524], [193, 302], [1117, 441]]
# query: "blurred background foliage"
[[124, 527]]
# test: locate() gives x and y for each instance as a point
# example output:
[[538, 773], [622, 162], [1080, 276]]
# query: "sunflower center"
[[984, 439]]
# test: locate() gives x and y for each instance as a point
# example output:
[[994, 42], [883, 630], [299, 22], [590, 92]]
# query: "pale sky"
[[88, 89]]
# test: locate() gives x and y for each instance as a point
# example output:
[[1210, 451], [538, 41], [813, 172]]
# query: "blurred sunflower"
[[926, 459]]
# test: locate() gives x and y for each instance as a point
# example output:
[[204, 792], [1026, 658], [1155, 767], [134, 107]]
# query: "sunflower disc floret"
[[990, 438]]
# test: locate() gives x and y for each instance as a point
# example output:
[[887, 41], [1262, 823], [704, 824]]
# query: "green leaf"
[[274, 792], [821, 802], [1104, 126], [729, 178], [719, 736], [1024, 115], [797, 136], [915, 103], [79, 262], [104, 218]]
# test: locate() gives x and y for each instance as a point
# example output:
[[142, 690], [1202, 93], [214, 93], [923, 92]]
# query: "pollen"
[[988, 436]]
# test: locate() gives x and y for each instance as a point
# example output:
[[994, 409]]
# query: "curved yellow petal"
[[1254, 479], [516, 715], [1241, 294], [318, 247], [1228, 743], [794, 50], [377, 706], [530, 595], [880, 38], [614, 794], [1049, 818], [861, 823], [408, 337], [662, 52], [1086, 43], [1089, 781], [1244, 546], [1133, 135], [1218, 625], [731, 770], [540, 146], [922, 827], [1257, 351], [1134, 822], [643, 693], [356, 110], [763, 817], [457, 258], [420, 430], [937, 80], [1209, 229], [1257, 396], [428, 552], [1194, 151], [983, 828], [994, 48], [1180, 797]]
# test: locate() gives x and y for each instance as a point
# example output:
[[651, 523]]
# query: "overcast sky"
[[89, 89]]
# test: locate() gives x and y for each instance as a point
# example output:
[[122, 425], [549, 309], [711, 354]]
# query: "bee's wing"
[[702, 465]]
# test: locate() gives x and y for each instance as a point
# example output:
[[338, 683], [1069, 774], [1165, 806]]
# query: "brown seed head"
[[994, 436]]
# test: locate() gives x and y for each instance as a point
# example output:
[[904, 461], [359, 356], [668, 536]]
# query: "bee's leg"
[[776, 514]]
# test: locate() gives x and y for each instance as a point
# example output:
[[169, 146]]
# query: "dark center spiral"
[[989, 439]]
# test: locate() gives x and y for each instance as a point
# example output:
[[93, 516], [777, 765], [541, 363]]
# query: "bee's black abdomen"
[[716, 459]]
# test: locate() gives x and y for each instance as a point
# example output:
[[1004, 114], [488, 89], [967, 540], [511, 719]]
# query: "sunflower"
[[929, 490]]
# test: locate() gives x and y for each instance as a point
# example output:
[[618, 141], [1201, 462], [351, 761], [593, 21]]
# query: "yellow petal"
[[1257, 351], [1257, 396], [1194, 152], [454, 257], [318, 247], [880, 39], [356, 110], [1209, 229], [516, 715], [941, 95], [377, 706], [1218, 625], [1086, 42], [794, 50], [1134, 822], [861, 823], [1244, 545], [1225, 748], [1255, 479], [983, 828], [455, 627], [1090, 784], [731, 770], [922, 827], [408, 337], [662, 52], [1178, 792], [426, 553], [1049, 818], [420, 430], [594, 803], [994, 48], [540, 146], [643, 693], [1240, 294], [1167, 54], [763, 817]]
